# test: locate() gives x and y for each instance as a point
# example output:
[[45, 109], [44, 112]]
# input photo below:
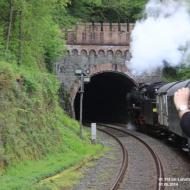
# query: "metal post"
[[81, 104]]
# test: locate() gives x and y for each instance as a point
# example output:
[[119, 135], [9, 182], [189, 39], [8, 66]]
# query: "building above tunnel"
[[99, 43], [99, 48], [100, 34]]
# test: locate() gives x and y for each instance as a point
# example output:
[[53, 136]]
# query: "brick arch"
[[118, 53], [110, 55], [110, 51], [126, 52], [92, 56], [95, 70], [127, 55], [83, 52], [92, 51], [74, 52], [101, 52]]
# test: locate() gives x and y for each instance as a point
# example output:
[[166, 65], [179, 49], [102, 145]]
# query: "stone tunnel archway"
[[106, 55], [105, 97]]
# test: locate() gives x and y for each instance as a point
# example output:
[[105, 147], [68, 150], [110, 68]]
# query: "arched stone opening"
[[127, 55], [101, 53], [110, 56], [83, 52], [105, 98], [74, 52], [92, 57], [118, 54]]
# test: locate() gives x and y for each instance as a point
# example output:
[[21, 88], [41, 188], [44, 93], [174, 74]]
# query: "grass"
[[27, 174], [39, 140], [66, 179]]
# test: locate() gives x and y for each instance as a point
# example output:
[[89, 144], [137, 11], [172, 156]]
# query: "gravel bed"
[[176, 164], [102, 173], [141, 172]]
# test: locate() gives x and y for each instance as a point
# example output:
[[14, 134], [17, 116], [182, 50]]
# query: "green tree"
[[107, 10], [30, 32]]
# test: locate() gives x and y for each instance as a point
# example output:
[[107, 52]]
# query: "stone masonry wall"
[[100, 34], [98, 48], [83, 57], [94, 44]]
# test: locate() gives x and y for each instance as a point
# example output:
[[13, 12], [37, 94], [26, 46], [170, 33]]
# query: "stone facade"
[[98, 48], [100, 34], [94, 46]]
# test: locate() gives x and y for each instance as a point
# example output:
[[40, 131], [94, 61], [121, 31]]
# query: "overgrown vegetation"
[[107, 10], [171, 74], [30, 30], [38, 138]]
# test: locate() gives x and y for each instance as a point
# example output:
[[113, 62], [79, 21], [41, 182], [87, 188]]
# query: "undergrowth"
[[37, 139]]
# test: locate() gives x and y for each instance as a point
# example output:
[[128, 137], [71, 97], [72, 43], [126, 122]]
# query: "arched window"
[[127, 55], [101, 53], [83, 52], [118, 54], [92, 56], [74, 52], [84, 57], [110, 56]]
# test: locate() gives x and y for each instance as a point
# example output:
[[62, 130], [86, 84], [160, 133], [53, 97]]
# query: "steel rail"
[[159, 167], [124, 164]]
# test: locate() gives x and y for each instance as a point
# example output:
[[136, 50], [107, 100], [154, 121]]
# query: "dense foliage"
[[30, 30], [37, 138], [181, 72], [29, 34], [107, 10]]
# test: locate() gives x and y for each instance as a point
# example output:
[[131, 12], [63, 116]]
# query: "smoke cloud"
[[161, 36]]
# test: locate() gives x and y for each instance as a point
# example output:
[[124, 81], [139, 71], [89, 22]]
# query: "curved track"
[[124, 165], [158, 164]]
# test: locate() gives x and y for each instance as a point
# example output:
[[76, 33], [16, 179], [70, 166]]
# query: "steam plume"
[[161, 36]]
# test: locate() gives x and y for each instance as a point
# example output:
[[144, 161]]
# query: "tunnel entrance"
[[105, 98]]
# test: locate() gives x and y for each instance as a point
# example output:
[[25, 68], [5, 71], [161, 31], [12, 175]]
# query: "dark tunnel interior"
[[105, 98]]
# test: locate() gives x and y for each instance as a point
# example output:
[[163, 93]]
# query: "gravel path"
[[100, 175]]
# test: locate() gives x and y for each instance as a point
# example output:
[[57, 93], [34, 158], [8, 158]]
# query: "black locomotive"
[[153, 107]]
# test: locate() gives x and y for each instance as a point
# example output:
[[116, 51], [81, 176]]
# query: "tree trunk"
[[20, 38], [10, 25]]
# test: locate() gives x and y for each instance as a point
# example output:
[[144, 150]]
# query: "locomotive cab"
[[149, 104]]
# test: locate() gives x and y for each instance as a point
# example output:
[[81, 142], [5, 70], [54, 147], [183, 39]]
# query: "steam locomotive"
[[153, 107]]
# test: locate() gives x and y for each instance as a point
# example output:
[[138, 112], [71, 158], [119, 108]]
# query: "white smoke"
[[161, 36]]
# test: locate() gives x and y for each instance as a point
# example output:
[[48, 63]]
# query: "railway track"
[[113, 131], [124, 165]]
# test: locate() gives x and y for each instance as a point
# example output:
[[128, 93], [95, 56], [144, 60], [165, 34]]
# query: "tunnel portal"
[[105, 98]]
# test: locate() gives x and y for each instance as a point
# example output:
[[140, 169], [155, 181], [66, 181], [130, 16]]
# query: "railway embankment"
[[37, 139]]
